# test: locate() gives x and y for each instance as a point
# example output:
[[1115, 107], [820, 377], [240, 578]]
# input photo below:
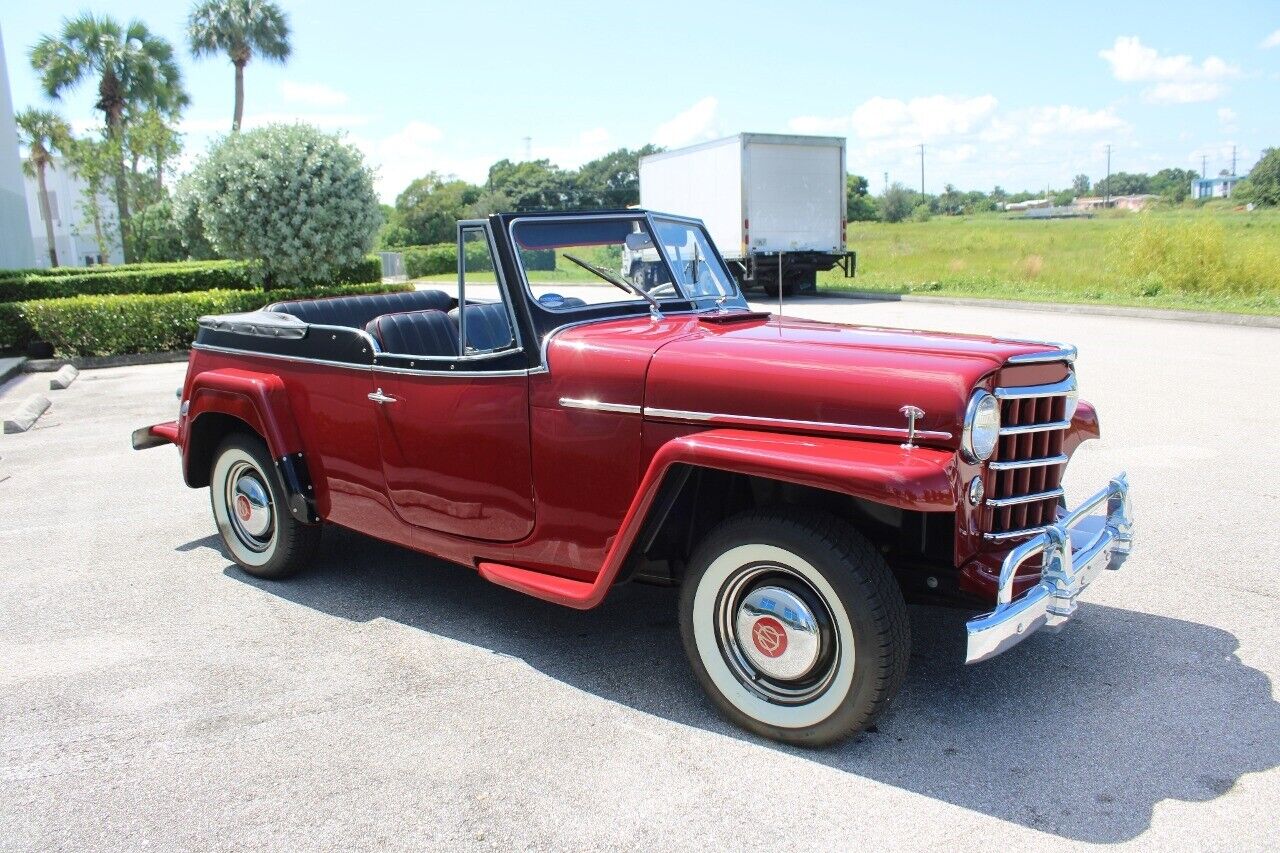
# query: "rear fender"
[[921, 479], [261, 402]]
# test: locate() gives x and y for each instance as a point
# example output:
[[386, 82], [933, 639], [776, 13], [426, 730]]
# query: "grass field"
[[1215, 260]]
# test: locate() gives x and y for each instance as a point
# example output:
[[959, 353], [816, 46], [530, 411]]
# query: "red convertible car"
[[799, 481]]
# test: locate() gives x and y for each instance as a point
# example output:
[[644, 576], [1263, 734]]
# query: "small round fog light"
[[976, 490]]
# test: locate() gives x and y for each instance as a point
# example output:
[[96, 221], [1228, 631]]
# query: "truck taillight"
[[746, 235]]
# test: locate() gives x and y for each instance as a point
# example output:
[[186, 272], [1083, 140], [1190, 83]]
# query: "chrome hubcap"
[[776, 634], [249, 506]]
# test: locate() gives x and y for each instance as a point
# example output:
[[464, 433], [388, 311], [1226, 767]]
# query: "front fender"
[[261, 401], [917, 479]]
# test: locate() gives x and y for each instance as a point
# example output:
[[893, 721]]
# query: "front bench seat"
[[357, 311], [415, 333], [488, 326]]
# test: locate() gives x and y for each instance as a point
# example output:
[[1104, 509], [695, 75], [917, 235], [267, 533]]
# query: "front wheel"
[[794, 626], [251, 511]]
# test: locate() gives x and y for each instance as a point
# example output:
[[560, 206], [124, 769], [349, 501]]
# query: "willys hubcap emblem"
[[769, 637], [243, 507]]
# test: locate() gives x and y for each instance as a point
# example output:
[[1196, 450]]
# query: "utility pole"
[[886, 181], [528, 147], [921, 168], [1204, 166], [1108, 201], [1233, 161]]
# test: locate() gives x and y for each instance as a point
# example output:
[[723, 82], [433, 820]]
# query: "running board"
[[578, 594]]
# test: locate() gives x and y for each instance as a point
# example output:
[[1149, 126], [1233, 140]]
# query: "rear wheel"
[[794, 626], [251, 511]]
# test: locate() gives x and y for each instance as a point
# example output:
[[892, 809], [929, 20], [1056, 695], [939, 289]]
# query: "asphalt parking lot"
[[151, 694]]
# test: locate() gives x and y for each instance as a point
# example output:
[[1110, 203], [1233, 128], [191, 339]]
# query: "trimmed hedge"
[[137, 323], [181, 277], [442, 258]]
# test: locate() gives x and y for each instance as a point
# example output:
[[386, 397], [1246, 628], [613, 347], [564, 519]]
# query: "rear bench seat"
[[356, 311], [436, 333]]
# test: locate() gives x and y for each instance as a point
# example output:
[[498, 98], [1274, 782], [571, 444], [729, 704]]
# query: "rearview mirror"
[[638, 241]]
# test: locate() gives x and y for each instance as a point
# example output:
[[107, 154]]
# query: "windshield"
[[569, 263]]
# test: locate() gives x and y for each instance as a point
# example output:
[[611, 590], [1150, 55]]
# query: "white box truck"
[[769, 200]]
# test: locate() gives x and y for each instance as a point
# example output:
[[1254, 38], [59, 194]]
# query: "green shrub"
[[442, 258], [1193, 256], [367, 270], [159, 278], [15, 331], [137, 323], [296, 199]]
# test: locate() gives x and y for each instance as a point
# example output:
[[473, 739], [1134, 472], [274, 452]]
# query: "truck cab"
[[564, 430]]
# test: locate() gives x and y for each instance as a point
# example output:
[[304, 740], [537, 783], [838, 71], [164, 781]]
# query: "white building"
[[1220, 186], [16, 250], [74, 235]]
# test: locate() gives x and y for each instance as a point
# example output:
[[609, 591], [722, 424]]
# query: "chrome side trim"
[[1060, 353], [1076, 550], [1028, 392], [1025, 499], [1014, 465], [1048, 426], [817, 426], [1014, 534], [599, 406], [373, 368]]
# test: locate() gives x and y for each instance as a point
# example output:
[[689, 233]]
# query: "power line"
[[1108, 202]]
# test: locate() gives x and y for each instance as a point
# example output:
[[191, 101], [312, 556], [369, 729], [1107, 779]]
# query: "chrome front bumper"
[[1076, 549]]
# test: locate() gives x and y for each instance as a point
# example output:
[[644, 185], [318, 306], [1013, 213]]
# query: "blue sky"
[[1019, 94]]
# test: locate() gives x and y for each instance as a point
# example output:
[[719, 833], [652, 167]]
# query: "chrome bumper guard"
[[1076, 549]]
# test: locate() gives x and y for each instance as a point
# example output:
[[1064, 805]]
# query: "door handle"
[[379, 397]]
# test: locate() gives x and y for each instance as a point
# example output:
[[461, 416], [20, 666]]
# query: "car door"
[[453, 431]]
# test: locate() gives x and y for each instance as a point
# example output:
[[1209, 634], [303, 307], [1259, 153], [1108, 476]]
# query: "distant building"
[[1121, 202], [16, 250], [74, 234], [1220, 186], [1029, 204]]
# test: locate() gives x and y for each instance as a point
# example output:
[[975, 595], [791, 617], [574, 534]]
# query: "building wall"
[[16, 249], [73, 231]]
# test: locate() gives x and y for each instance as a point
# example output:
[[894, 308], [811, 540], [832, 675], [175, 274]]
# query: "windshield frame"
[[643, 216]]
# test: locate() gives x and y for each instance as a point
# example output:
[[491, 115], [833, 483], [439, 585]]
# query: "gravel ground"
[[151, 694]]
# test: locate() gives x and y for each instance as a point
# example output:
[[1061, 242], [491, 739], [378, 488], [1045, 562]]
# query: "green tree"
[[896, 203], [1262, 187], [860, 206], [296, 199], [1080, 185], [531, 184], [241, 29], [149, 137], [611, 181], [157, 234], [97, 163], [1124, 183], [429, 208], [43, 133], [1174, 184], [133, 67]]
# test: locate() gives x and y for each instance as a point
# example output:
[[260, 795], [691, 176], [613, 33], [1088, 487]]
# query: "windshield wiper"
[[654, 308]]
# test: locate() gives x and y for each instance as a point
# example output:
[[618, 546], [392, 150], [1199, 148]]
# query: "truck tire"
[[790, 286], [250, 509], [794, 626]]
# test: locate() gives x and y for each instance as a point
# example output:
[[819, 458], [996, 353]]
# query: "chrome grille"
[[1024, 481]]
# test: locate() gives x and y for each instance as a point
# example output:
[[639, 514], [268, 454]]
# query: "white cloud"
[[1067, 120], [588, 145], [1271, 41], [324, 121], [1177, 79], [312, 95], [696, 124], [922, 119], [819, 125], [1226, 115]]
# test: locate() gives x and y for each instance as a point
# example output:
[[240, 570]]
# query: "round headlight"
[[981, 427]]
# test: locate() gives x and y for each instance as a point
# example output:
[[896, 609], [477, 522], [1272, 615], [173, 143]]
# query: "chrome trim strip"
[[598, 406], [1060, 353], [1048, 426], [1028, 392], [822, 426], [1025, 499], [450, 374], [373, 368], [1016, 464], [1014, 534]]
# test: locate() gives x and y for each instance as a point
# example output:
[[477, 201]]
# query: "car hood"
[[765, 367]]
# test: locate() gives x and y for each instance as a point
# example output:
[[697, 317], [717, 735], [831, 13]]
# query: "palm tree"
[[133, 68], [42, 133], [241, 29]]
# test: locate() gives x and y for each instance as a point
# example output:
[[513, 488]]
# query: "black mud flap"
[[298, 488]]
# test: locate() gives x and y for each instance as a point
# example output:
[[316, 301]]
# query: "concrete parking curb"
[[63, 378], [48, 365], [1223, 319], [10, 367], [26, 414]]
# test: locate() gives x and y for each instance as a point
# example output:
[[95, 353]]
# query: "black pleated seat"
[[488, 326], [415, 333], [357, 311]]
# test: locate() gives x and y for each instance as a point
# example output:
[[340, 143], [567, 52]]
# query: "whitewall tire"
[[794, 626]]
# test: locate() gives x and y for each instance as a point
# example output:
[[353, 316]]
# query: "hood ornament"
[[913, 413]]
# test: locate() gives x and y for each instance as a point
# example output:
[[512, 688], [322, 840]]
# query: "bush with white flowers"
[[299, 200]]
